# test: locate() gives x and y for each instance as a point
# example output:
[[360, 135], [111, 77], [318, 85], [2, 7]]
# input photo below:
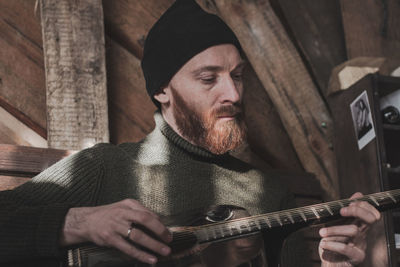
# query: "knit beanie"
[[182, 32]]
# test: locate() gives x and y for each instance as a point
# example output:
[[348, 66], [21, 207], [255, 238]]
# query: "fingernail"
[[165, 250], [322, 232], [152, 260]]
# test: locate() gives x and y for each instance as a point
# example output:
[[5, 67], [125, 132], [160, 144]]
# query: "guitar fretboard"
[[304, 215]]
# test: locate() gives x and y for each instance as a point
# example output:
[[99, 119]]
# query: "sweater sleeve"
[[32, 215]]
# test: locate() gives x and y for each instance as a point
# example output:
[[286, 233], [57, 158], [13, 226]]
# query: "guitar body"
[[186, 252]]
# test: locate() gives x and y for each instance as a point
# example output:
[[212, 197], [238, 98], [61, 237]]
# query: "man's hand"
[[108, 226], [345, 245]]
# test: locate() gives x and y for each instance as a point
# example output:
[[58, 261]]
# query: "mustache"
[[228, 110]]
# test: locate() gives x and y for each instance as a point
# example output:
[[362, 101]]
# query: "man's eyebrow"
[[211, 68], [216, 68]]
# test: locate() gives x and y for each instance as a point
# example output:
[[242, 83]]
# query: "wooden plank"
[[131, 110], [12, 131], [10, 182], [28, 161], [267, 137], [20, 14], [22, 81], [73, 38], [316, 26], [374, 32], [284, 76], [128, 22]]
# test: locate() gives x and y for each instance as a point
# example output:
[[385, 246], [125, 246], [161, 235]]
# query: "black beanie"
[[182, 32]]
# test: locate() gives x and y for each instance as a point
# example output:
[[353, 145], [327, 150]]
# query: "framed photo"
[[362, 120]]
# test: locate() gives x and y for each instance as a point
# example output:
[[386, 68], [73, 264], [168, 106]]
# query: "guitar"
[[191, 239]]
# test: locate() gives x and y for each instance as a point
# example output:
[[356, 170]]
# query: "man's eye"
[[208, 80]]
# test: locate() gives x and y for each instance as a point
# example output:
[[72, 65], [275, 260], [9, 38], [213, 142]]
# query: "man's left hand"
[[345, 245]]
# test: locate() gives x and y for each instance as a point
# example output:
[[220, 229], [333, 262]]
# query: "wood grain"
[[131, 110], [73, 38], [22, 78], [284, 76], [316, 26], [28, 161], [372, 29], [127, 22]]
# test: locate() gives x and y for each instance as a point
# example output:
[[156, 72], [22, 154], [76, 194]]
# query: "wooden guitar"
[[192, 239]]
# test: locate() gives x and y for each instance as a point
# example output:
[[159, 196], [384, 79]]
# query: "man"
[[118, 196]]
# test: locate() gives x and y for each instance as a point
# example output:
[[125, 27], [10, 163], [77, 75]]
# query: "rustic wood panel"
[[22, 81], [280, 69], [267, 137], [372, 29], [316, 27], [12, 131], [10, 182], [131, 110], [28, 161], [128, 22], [73, 38]]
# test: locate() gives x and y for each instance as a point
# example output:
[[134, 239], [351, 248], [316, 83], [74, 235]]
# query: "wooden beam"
[[316, 28], [284, 76], [73, 41], [13, 131], [373, 32]]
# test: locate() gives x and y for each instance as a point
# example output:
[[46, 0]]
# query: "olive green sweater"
[[163, 172]]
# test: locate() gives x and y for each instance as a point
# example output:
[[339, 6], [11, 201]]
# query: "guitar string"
[[181, 237]]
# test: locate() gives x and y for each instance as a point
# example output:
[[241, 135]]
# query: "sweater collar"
[[177, 140]]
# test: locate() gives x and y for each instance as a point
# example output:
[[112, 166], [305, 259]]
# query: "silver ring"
[[128, 235]]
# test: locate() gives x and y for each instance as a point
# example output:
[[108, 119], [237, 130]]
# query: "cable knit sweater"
[[164, 172]]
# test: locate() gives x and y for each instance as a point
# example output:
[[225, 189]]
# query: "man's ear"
[[163, 95]]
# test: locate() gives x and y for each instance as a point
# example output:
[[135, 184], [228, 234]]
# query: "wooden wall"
[[325, 33]]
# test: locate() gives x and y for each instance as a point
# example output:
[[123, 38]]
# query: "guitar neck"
[[293, 217]]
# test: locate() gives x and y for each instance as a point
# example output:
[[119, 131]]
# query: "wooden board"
[[372, 29], [12, 131], [131, 110], [316, 26], [73, 38], [28, 161], [127, 22], [22, 79], [284, 76]]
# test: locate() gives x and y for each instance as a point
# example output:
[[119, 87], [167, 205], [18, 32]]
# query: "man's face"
[[206, 99]]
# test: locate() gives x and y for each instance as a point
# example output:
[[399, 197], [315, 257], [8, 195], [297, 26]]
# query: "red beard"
[[205, 130]]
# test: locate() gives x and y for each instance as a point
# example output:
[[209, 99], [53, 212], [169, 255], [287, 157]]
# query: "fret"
[[315, 212], [303, 216], [328, 209], [253, 226], [226, 231], [278, 219], [290, 217], [264, 223], [374, 200], [218, 233], [391, 197]]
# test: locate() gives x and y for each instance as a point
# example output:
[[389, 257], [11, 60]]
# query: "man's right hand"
[[108, 226]]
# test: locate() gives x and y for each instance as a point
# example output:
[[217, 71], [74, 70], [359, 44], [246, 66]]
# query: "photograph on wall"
[[362, 120]]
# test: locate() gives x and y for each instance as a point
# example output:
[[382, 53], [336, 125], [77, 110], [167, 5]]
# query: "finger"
[[354, 254], [145, 219], [365, 205], [350, 230], [139, 237], [358, 212], [132, 251], [356, 195]]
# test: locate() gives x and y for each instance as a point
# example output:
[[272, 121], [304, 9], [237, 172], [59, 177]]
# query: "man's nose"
[[231, 91]]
